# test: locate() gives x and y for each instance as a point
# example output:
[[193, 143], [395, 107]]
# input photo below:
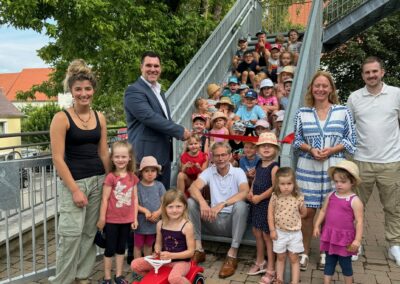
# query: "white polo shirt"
[[377, 124], [223, 187]]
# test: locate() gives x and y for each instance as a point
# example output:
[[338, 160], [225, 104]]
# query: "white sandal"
[[303, 262]]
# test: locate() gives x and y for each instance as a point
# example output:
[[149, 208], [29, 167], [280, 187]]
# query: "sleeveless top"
[[338, 230], [81, 150], [174, 241]]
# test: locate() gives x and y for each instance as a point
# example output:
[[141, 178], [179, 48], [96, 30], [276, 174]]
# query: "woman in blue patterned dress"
[[324, 131]]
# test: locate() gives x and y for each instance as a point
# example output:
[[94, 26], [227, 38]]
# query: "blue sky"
[[18, 49]]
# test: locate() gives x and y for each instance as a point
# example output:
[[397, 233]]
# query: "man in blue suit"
[[150, 127]]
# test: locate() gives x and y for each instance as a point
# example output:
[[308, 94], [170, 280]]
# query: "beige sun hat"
[[218, 114], [211, 89], [225, 100], [268, 138], [347, 166], [149, 161]]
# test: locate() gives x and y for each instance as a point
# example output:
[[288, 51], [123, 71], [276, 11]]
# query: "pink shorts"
[[142, 239]]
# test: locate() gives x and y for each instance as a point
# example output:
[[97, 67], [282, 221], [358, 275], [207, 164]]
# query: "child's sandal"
[[268, 278]]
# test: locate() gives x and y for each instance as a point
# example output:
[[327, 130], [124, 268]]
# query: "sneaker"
[[321, 264], [257, 268], [136, 277], [106, 281], [356, 256], [303, 262], [120, 280], [394, 254]]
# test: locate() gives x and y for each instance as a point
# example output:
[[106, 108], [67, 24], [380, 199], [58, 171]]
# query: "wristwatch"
[[225, 204]]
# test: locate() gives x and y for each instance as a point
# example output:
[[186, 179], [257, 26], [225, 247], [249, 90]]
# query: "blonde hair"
[[131, 167], [195, 137], [333, 97], [78, 70], [286, 172], [291, 57], [170, 196]]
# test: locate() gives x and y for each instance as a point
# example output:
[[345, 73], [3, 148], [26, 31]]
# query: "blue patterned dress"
[[262, 181], [311, 174]]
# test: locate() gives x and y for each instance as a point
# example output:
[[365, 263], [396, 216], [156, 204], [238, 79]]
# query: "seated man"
[[227, 215]]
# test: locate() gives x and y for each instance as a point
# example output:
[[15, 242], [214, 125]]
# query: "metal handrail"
[[337, 9]]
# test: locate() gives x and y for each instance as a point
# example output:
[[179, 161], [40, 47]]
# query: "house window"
[[2, 127]]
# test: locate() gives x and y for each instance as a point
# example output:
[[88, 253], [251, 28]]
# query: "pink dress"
[[338, 230], [269, 101], [218, 131]]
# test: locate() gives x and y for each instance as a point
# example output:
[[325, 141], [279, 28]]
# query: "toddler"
[[199, 128], [218, 122], [249, 161], [201, 108], [250, 112], [214, 93]]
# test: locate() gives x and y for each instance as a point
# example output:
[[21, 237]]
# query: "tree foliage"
[[111, 36], [38, 119], [380, 40]]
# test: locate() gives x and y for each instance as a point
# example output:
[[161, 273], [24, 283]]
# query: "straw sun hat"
[[268, 138], [347, 166]]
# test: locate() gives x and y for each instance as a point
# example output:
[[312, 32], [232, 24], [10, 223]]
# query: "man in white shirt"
[[376, 111], [227, 215]]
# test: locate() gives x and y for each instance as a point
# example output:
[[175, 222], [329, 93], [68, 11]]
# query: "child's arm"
[[358, 209], [266, 194], [321, 217], [190, 242], [271, 219], [226, 132], [205, 163], [158, 243], [145, 211], [250, 194], [103, 207], [206, 145], [135, 208]]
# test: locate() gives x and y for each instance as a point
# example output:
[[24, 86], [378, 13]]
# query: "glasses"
[[223, 155]]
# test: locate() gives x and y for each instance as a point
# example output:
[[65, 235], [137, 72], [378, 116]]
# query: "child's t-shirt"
[[193, 171], [246, 164], [150, 198], [293, 47], [120, 204], [287, 214], [246, 115], [235, 97], [267, 101], [284, 102]]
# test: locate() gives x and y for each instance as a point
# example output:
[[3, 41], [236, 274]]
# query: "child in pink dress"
[[342, 218]]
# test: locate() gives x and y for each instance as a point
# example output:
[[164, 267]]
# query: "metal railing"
[[337, 9], [307, 66], [288, 14]]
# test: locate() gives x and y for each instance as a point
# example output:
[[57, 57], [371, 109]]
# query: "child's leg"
[[147, 250], [141, 266], [180, 182], [270, 252], [111, 231], [123, 233], [107, 267], [119, 264], [347, 269], [295, 265], [137, 252], [138, 244], [280, 265], [148, 244], [329, 270], [178, 272], [258, 234]]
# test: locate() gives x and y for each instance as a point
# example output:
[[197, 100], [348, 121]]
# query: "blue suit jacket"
[[149, 131]]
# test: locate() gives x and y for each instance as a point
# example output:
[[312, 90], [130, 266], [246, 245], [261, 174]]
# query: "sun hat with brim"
[[280, 118], [212, 88], [266, 83], [268, 138], [289, 80], [225, 100], [149, 161], [218, 114], [262, 123], [347, 166], [287, 69], [243, 87], [279, 112]]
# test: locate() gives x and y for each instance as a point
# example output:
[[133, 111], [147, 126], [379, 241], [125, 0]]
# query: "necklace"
[[84, 123]]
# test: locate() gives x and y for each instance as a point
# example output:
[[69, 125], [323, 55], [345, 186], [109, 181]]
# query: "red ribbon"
[[288, 139]]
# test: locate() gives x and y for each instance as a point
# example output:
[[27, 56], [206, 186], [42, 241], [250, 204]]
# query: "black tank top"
[[81, 150]]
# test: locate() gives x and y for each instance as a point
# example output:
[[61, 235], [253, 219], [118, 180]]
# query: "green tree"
[[380, 40], [111, 36], [38, 119]]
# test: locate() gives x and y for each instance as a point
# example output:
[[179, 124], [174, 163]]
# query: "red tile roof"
[[12, 83]]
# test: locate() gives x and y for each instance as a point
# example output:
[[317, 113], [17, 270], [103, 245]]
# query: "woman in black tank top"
[[80, 155]]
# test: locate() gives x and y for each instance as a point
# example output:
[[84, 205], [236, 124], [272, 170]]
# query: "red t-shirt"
[[267, 46], [120, 204], [193, 171]]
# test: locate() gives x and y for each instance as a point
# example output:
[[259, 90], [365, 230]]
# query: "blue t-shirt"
[[235, 97], [284, 102], [246, 164], [246, 115]]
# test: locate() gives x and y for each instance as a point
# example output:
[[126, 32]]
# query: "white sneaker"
[[394, 254], [322, 261], [356, 256], [303, 262]]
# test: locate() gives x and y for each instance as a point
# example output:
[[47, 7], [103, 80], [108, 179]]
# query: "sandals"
[[322, 261], [268, 278], [257, 268], [303, 262]]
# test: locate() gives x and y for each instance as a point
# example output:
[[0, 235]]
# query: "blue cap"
[[233, 79], [251, 94]]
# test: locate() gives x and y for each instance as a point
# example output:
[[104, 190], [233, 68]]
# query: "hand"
[[353, 247], [147, 214], [256, 199], [154, 216], [250, 196], [79, 199], [197, 165], [134, 225], [214, 211], [100, 224], [186, 134], [316, 232], [165, 255], [187, 166], [251, 172], [273, 234], [316, 153], [253, 121], [205, 211], [327, 152]]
